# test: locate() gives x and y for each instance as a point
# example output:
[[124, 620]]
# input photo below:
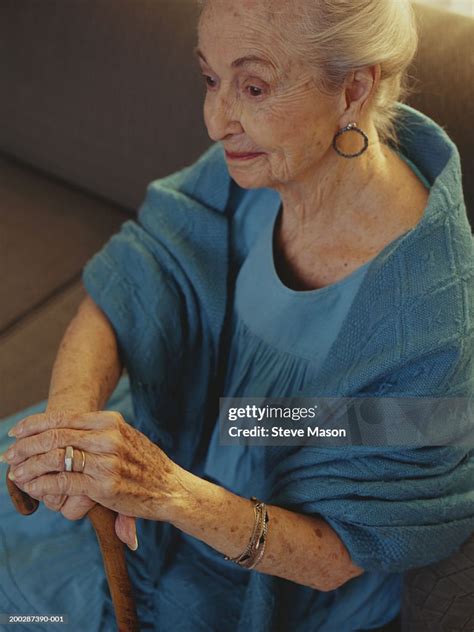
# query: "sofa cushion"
[[29, 348], [106, 95], [442, 74], [47, 233]]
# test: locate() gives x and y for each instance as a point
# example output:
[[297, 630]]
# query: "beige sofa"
[[100, 97]]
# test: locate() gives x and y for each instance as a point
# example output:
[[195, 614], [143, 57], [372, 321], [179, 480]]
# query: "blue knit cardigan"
[[166, 283]]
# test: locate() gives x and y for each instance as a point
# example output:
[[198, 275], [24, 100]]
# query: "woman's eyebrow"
[[241, 61]]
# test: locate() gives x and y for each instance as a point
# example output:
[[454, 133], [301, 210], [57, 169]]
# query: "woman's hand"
[[76, 507], [123, 470]]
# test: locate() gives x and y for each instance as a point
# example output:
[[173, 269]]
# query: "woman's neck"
[[339, 190]]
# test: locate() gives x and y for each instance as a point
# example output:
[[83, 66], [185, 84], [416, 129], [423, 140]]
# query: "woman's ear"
[[360, 86]]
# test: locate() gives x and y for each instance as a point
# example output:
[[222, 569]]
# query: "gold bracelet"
[[257, 507], [255, 548], [260, 546]]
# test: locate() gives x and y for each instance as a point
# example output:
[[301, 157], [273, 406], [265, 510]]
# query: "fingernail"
[[11, 476], [15, 431], [2, 460], [9, 454], [136, 545]]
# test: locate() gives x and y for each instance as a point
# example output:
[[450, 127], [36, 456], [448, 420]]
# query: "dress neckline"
[[302, 294]]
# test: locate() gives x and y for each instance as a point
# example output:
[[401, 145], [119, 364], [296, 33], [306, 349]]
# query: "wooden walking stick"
[[113, 555]]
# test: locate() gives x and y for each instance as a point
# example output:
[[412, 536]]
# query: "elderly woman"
[[319, 247]]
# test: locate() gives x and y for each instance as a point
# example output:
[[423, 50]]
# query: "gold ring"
[[83, 464]]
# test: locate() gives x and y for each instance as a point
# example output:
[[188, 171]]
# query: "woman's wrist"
[[211, 513], [181, 496], [84, 397], [70, 403], [300, 548]]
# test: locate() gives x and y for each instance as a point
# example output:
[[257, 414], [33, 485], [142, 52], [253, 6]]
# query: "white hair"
[[335, 37]]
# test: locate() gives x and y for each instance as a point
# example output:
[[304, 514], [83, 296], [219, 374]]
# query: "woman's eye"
[[210, 82], [255, 91]]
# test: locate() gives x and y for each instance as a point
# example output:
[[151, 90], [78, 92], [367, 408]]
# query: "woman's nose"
[[222, 116]]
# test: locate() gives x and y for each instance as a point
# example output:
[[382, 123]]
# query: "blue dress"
[[51, 566]]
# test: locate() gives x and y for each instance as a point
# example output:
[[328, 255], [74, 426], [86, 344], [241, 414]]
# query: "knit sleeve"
[[394, 509]]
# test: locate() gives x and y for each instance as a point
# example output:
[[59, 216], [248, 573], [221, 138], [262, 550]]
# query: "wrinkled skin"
[[276, 108], [124, 470], [336, 213]]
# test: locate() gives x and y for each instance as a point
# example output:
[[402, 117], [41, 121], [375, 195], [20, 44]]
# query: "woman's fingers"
[[73, 508], [54, 503], [44, 475], [126, 530], [88, 440], [34, 424], [35, 466], [52, 461], [62, 483], [76, 507]]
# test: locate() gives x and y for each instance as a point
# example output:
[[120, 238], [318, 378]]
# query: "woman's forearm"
[[87, 366], [300, 548]]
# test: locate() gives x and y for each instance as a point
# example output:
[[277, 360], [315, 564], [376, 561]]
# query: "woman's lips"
[[233, 156]]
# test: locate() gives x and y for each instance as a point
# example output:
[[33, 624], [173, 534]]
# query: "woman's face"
[[269, 104]]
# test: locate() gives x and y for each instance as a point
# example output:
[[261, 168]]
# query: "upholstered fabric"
[[442, 76], [107, 95], [47, 233], [29, 346]]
